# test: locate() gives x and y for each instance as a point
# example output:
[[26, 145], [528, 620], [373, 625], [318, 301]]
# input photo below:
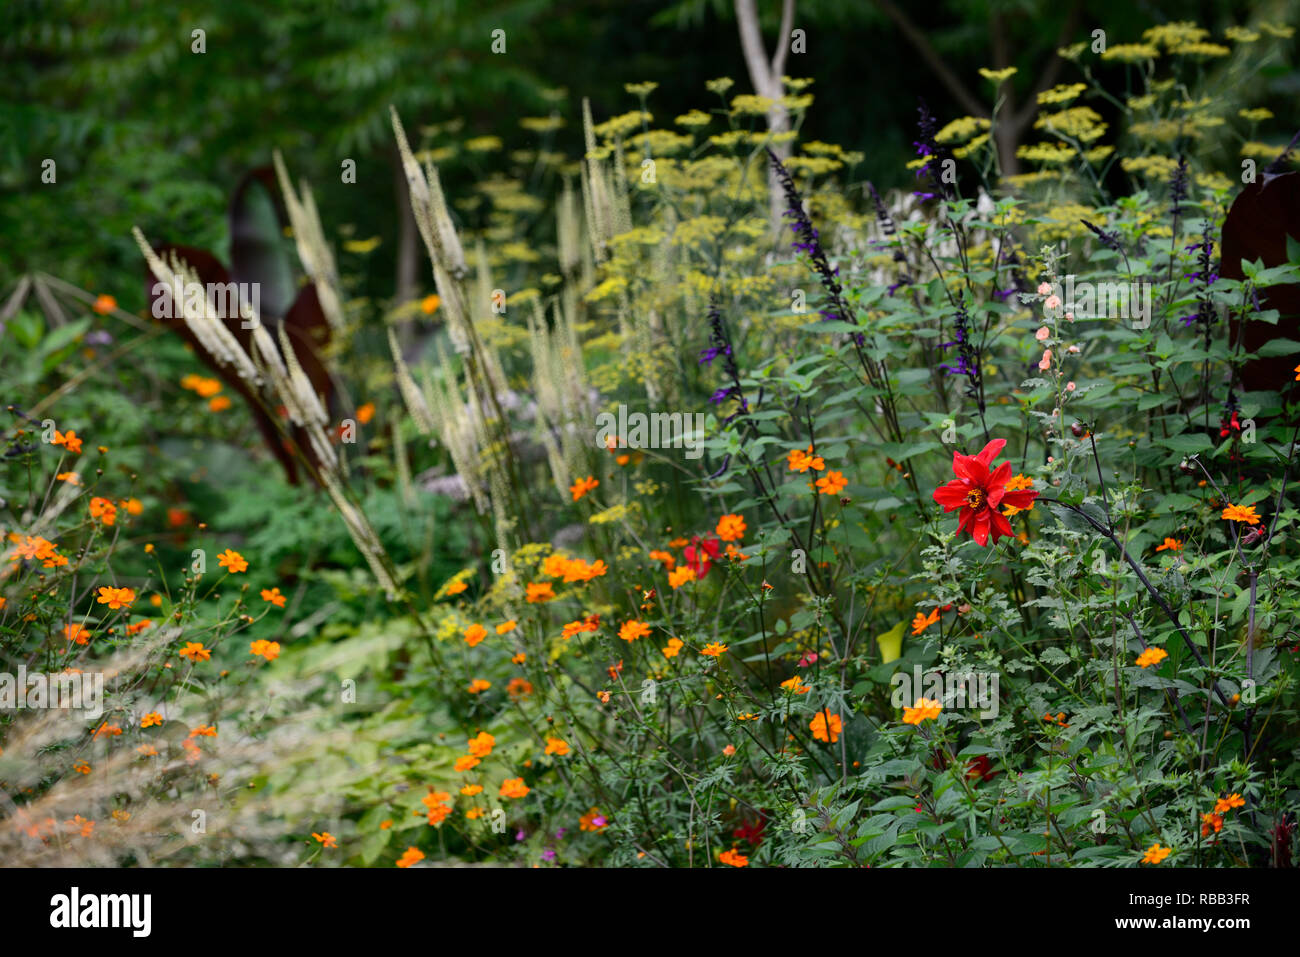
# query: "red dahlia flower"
[[701, 554], [980, 494]]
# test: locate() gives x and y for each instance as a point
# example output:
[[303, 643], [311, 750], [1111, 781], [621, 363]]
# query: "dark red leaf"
[[1256, 228]]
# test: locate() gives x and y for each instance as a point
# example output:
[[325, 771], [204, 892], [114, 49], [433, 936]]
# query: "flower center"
[[975, 497]]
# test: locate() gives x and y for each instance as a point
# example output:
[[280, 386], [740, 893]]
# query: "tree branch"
[[931, 57]]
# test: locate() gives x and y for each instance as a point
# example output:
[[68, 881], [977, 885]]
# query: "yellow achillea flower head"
[[996, 77]]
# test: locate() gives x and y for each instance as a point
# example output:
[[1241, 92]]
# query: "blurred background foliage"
[[146, 132]]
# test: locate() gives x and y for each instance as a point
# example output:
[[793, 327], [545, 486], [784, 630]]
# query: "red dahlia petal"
[[1020, 498], [1000, 475], [970, 468], [990, 452], [952, 495]]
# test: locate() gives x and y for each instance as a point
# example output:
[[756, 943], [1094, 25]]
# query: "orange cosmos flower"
[[632, 630], [665, 557], [76, 633], [826, 726], [1224, 805], [518, 659], [504, 627], [219, 403], [557, 746], [555, 565], [35, 547], [465, 763], [733, 858], [429, 305], [68, 440], [923, 621], [731, 528], [1172, 544], [195, 652], [577, 570], [72, 478], [1155, 854], [232, 561], [412, 855], [439, 813], [365, 413], [1241, 513], [795, 685], [583, 486], [327, 839], [832, 483], [456, 587], [104, 510], [680, 576], [148, 750], [519, 688], [925, 709], [104, 304], [593, 820], [273, 596], [477, 685], [434, 798], [675, 646], [713, 649], [802, 461], [151, 719], [106, 728], [270, 650], [470, 790], [514, 788], [538, 592], [1152, 656], [574, 628], [474, 634], [115, 598], [1211, 822], [481, 744], [139, 626]]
